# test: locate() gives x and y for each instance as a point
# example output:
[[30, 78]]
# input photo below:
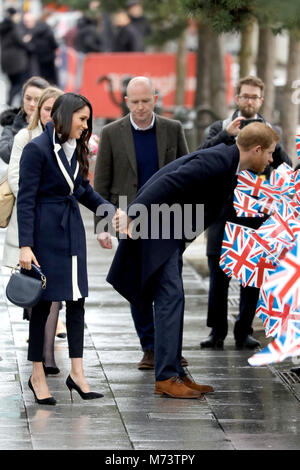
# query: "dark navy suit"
[[147, 271]]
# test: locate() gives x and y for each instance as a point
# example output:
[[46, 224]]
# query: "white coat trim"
[[57, 147], [76, 291], [76, 171]]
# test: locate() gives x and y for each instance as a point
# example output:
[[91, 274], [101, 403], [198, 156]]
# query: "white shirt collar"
[[69, 148], [137, 128]]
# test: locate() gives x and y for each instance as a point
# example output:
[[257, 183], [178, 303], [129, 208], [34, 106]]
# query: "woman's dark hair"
[[62, 115]]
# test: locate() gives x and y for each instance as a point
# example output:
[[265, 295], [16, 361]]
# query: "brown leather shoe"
[[184, 362], [193, 385], [147, 361], [175, 388]]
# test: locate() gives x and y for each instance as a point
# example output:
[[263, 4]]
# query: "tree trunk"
[[266, 62], [202, 95], [290, 111], [218, 79], [246, 50], [181, 58]]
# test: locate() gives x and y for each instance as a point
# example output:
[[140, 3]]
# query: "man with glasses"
[[249, 99]]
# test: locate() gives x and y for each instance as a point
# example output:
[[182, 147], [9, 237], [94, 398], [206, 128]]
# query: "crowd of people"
[[29, 46], [143, 157]]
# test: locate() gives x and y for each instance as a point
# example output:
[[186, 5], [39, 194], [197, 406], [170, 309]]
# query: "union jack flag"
[[244, 259], [231, 232], [284, 283], [254, 185], [273, 314], [298, 145], [276, 230], [246, 206], [296, 181], [262, 271], [269, 258], [287, 345]]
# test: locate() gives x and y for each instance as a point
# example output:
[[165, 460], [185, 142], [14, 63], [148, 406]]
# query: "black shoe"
[[85, 396], [51, 370], [296, 370], [44, 401], [249, 343], [61, 335], [212, 341]]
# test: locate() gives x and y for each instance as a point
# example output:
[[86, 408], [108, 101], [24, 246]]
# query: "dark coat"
[[88, 38], [126, 39], [14, 52], [215, 232], [203, 177], [13, 121], [49, 218], [45, 43]]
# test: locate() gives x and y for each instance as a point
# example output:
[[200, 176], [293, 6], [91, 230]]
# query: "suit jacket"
[[116, 168], [203, 177]]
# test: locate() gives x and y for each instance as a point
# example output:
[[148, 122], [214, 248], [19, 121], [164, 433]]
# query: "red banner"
[[100, 72]]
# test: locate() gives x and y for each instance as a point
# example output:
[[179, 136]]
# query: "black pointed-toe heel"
[[51, 370], [85, 396], [43, 401]]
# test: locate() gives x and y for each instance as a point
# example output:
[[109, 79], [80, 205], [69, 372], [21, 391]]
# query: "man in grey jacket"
[[131, 150]]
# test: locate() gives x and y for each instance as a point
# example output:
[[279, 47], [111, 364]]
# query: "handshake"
[[121, 223]]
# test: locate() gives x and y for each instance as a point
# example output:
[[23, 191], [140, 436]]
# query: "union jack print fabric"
[[269, 257]]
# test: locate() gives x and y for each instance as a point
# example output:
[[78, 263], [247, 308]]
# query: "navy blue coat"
[[203, 177], [49, 218]]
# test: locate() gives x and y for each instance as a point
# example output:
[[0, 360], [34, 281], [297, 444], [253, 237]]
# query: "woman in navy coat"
[[53, 172]]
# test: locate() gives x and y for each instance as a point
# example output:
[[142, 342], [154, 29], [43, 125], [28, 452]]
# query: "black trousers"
[[74, 324], [217, 303]]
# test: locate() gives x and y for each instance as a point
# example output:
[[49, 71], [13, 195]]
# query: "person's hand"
[[234, 127], [27, 257], [104, 239], [121, 222], [27, 37]]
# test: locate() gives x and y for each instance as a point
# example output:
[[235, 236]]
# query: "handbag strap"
[[4, 177], [39, 271]]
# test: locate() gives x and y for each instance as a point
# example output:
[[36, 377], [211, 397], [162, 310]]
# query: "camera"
[[244, 122]]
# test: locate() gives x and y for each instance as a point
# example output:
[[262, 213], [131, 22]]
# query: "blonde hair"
[[256, 133], [49, 92]]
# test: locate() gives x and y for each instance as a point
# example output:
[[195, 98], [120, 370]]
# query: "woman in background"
[[12, 120]]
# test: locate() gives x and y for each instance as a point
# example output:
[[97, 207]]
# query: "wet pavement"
[[251, 408]]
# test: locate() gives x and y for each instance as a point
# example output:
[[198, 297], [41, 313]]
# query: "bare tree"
[[181, 64], [246, 54], [290, 110], [265, 63]]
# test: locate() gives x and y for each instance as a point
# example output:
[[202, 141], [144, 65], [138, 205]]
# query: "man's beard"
[[248, 112]]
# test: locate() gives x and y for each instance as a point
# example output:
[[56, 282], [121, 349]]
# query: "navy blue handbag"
[[25, 290]]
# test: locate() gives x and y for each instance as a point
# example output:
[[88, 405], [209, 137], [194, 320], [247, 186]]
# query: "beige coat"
[[11, 245]]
